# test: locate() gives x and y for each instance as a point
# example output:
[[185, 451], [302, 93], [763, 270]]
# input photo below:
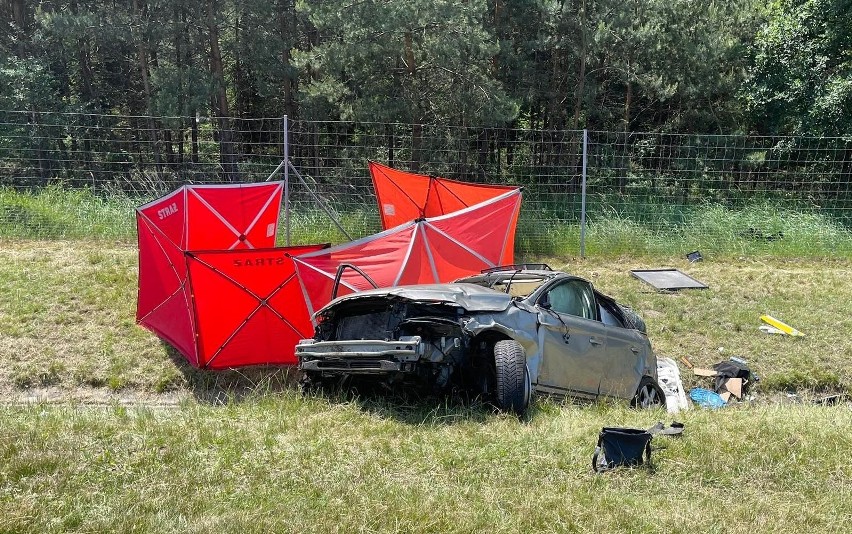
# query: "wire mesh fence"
[[642, 190]]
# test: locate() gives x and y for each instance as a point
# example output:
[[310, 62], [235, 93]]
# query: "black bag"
[[733, 369], [628, 446], [621, 446]]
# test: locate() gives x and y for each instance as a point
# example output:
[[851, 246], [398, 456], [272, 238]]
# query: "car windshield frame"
[[519, 284]]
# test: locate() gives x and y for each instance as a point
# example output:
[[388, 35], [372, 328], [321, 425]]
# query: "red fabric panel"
[[172, 321], [249, 306], [419, 269], [401, 195], [381, 256], [162, 268], [458, 245], [162, 305], [223, 214], [168, 214], [430, 251], [219, 311], [448, 196], [487, 230], [405, 196]]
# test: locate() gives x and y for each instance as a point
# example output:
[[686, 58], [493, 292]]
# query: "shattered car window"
[[517, 285], [574, 297]]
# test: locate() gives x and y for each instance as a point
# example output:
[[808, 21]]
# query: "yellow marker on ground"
[[784, 327]]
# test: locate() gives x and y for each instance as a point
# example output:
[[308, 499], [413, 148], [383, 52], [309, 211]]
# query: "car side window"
[[609, 315], [574, 297]]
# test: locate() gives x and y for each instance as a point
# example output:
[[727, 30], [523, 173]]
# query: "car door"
[[573, 340], [625, 353]]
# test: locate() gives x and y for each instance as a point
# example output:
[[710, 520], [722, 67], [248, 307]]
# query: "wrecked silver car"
[[503, 334]]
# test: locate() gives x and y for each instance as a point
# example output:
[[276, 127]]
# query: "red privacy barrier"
[[214, 286], [406, 196], [434, 250], [238, 305]]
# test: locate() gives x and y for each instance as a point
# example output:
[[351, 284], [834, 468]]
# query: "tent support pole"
[[319, 201], [276, 171]]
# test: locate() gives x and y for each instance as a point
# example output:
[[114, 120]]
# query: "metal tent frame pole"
[[287, 178], [319, 201], [288, 166], [583, 196]]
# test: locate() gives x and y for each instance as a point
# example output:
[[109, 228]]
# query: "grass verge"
[[67, 321], [287, 464]]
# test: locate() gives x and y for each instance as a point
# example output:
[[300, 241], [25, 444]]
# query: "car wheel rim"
[[648, 397]]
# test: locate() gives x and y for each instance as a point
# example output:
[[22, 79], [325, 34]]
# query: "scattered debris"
[[684, 360], [733, 378], [706, 398], [668, 376], [700, 371], [784, 327], [660, 429], [670, 279], [830, 400], [621, 446], [694, 256], [765, 328]]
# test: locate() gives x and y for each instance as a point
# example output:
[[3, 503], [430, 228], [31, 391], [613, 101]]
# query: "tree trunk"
[[389, 136], [142, 54], [581, 77], [227, 152], [416, 127], [286, 24], [180, 46], [194, 139], [622, 177], [19, 14]]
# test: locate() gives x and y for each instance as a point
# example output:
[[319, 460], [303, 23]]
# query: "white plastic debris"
[[770, 329], [668, 375]]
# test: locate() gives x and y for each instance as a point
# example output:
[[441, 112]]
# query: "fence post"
[[287, 178], [583, 196]]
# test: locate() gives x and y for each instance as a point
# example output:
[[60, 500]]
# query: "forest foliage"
[[734, 66]]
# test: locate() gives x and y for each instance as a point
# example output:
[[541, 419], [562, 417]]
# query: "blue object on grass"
[[706, 398]]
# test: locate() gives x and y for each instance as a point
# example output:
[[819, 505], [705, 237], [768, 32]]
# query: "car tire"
[[513, 377], [649, 395]]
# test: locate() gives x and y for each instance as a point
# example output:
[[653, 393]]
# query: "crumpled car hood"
[[471, 297]]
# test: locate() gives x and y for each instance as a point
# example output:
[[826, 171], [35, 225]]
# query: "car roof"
[[518, 274]]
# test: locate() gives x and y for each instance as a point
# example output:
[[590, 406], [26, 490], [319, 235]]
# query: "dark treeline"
[[732, 66], [513, 79]]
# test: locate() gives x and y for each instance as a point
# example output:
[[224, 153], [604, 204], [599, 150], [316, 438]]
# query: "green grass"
[[58, 213], [647, 228], [67, 319], [103, 428], [287, 464]]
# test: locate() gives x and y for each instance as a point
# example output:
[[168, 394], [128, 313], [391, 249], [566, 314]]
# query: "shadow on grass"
[[407, 405], [219, 387], [414, 406]]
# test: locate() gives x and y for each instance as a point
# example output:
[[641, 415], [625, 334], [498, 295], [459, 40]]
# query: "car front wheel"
[[513, 379], [649, 395]]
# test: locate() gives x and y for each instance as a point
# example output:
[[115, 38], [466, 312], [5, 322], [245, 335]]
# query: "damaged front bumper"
[[360, 356]]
